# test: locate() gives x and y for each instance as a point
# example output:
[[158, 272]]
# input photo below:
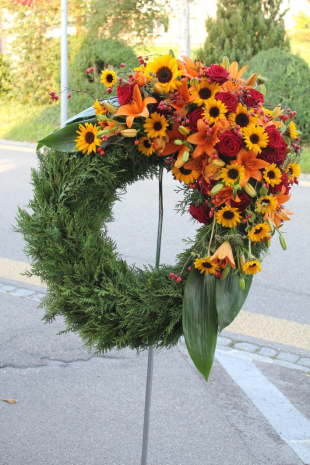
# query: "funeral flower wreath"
[[234, 156]]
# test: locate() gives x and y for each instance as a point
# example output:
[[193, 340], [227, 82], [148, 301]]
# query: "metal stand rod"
[[150, 363]]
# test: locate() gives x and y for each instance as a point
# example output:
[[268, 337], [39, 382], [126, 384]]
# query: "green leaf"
[[230, 298], [200, 320], [263, 191], [263, 89], [62, 139]]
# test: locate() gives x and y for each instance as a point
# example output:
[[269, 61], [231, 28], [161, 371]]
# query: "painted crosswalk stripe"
[[287, 421]]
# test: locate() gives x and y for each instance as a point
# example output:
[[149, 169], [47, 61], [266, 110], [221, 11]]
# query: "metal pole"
[[64, 61], [150, 363], [185, 47]]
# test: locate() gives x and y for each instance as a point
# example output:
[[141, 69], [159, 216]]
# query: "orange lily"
[[204, 142], [173, 135], [235, 77], [184, 98], [280, 213], [136, 108], [224, 255], [211, 172], [225, 196], [189, 68], [111, 125], [252, 165]]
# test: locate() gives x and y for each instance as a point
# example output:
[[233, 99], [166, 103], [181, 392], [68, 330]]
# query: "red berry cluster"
[[53, 95], [175, 277], [89, 70], [143, 61], [290, 114]]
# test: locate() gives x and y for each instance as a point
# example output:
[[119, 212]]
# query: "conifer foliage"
[[242, 28]]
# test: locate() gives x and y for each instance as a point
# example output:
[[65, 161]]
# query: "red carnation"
[[229, 99], [243, 204], [193, 118], [229, 144], [124, 93], [200, 213], [253, 98], [217, 74], [275, 138]]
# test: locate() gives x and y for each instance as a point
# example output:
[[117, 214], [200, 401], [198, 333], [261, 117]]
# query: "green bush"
[[100, 54], [288, 83]]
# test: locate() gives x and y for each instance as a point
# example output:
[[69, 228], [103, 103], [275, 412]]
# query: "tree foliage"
[[242, 28], [288, 82]]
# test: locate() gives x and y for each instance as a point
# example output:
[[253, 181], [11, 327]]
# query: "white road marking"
[[287, 421]]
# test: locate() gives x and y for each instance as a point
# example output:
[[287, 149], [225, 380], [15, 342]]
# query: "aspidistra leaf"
[[200, 320]]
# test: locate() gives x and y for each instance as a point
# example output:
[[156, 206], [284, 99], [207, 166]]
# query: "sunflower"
[[185, 175], [241, 117], [272, 175], [293, 171], [259, 232], [228, 217], [146, 146], [232, 173], [292, 130], [206, 265], [87, 140], [108, 78], [214, 110], [252, 267], [203, 91], [165, 69], [156, 125], [266, 204], [99, 108], [255, 138]]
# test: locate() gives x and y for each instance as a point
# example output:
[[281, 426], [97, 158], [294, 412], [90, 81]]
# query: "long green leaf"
[[200, 320], [62, 139], [230, 298]]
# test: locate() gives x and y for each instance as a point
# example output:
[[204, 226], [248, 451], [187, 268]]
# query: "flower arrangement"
[[235, 156]]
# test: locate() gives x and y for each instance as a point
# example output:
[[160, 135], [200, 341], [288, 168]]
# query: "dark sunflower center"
[[242, 120], [204, 93], [259, 230], [253, 265], [265, 202], [147, 144], [228, 215], [207, 265], [214, 112], [164, 74], [254, 138], [158, 126], [109, 77], [89, 137], [233, 174], [184, 170], [271, 175], [290, 171]]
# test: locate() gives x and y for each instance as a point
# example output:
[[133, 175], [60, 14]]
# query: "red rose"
[[278, 188], [243, 204], [229, 144], [124, 93], [200, 213], [253, 98], [229, 99], [276, 156], [217, 74], [275, 138], [193, 118]]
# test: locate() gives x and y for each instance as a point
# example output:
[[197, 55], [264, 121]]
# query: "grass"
[[33, 122], [302, 49]]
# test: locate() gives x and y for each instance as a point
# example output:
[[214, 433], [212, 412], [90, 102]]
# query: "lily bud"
[[252, 79], [158, 88], [225, 63], [179, 162], [249, 189], [194, 82], [185, 156], [242, 283], [178, 142], [218, 163], [102, 117], [225, 272], [277, 112], [283, 242], [101, 133], [129, 132], [217, 188], [184, 130], [267, 241], [270, 223], [241, 261], [111, 108]]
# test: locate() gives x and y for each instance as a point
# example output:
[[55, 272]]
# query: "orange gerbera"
[[252, 165], [189, 68], [184, 97], [205, 142], [224, 255], [136, 108]]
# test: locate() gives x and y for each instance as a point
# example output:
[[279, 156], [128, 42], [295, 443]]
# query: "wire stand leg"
[[149, 379]]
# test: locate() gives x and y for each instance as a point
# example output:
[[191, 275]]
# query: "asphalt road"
[[77, 408]]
